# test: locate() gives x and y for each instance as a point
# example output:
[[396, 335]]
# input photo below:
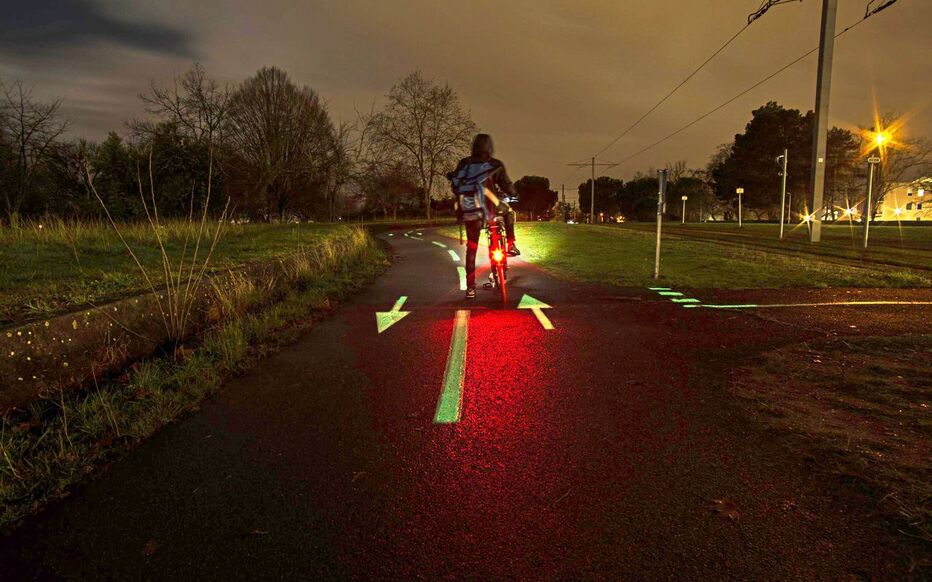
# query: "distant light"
[[881, 138], [807, 218], [898, 211], [922, 192], [849, 211]]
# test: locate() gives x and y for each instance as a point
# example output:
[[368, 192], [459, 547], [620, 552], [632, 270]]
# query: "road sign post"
[[866, 215], [661, 206]]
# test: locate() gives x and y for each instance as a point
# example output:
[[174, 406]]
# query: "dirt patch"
[[860, 409]]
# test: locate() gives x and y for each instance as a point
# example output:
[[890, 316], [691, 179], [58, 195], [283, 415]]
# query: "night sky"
[[552, 81]]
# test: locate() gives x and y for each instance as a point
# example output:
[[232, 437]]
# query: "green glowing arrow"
[[386, 319], [536, 306]]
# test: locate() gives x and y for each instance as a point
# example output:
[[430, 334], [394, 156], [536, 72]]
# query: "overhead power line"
[[767, 5], [748, 90]]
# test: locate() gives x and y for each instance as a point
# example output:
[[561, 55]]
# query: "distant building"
[[908, 202]]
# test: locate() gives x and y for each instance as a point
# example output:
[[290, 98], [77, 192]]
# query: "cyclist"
[[482, 189]]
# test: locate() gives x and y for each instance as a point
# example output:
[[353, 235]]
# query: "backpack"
[[468, 184]]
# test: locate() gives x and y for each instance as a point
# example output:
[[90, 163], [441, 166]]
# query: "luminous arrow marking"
[[456, 257], [439, 244], [450, 404], [462, 273], [386, 319], [536, 306]]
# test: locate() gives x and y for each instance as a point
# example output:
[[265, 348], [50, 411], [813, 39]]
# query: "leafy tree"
[[638, 198], [607, 191], [535, 196], [750, 161]]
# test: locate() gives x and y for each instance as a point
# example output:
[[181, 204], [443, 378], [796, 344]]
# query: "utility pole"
[[823, 89], [782, 160], [592, 201], [789, 207], [661, 207]]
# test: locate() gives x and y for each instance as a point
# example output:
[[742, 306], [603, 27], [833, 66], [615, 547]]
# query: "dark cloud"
[[37, 27]]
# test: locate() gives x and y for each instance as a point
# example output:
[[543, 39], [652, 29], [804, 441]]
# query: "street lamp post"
[[871, 162], [740, 191], [781, 160], [683, 214]]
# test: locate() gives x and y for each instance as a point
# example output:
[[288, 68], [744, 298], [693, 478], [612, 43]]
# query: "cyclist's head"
[[482, 146]]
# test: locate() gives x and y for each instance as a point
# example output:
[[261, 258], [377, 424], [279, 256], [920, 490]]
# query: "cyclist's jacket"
[[473, 181]]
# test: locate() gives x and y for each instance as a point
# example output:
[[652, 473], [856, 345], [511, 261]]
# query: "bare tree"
[[198, 105], [427, 122], [31, 130], [283, 136], [902, 160]]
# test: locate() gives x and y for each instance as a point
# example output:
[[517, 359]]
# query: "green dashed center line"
[[670, 294], [461, 271], [659, 288], [439, 244], [456, 257], [684, 300], [450, 404]]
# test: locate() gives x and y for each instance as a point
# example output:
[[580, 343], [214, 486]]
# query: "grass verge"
[[59, 440], [858, 408], [55, 265], [625, 257]]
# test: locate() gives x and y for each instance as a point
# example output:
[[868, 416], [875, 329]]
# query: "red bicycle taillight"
[[498, 255]]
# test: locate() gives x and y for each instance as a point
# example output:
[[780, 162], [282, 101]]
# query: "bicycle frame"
[[498, 255]]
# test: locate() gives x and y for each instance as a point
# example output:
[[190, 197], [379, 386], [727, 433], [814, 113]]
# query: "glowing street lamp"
[[683, 214], [740, 191]]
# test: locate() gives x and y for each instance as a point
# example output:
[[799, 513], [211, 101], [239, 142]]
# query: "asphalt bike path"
[[576, 433]]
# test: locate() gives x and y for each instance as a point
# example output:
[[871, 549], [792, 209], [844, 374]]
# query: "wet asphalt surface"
[[591, 451]]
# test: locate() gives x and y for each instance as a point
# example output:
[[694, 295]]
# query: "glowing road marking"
[[450, 404], [456, 257], [684, 300], [670, 294], [439, 244], [659, 288], [536, 306], [386, 319], [824, 304], [461, 271]]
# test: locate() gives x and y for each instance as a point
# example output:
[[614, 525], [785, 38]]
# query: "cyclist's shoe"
[[513, 250], [471, 293]]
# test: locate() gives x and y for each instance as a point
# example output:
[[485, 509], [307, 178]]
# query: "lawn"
[[60, 266], [625, 257], [909, 245]]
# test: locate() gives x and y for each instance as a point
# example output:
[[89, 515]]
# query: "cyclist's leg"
[[510, 225], [473, 232]]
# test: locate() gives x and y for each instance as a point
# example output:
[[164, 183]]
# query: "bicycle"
[[498, 257]]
